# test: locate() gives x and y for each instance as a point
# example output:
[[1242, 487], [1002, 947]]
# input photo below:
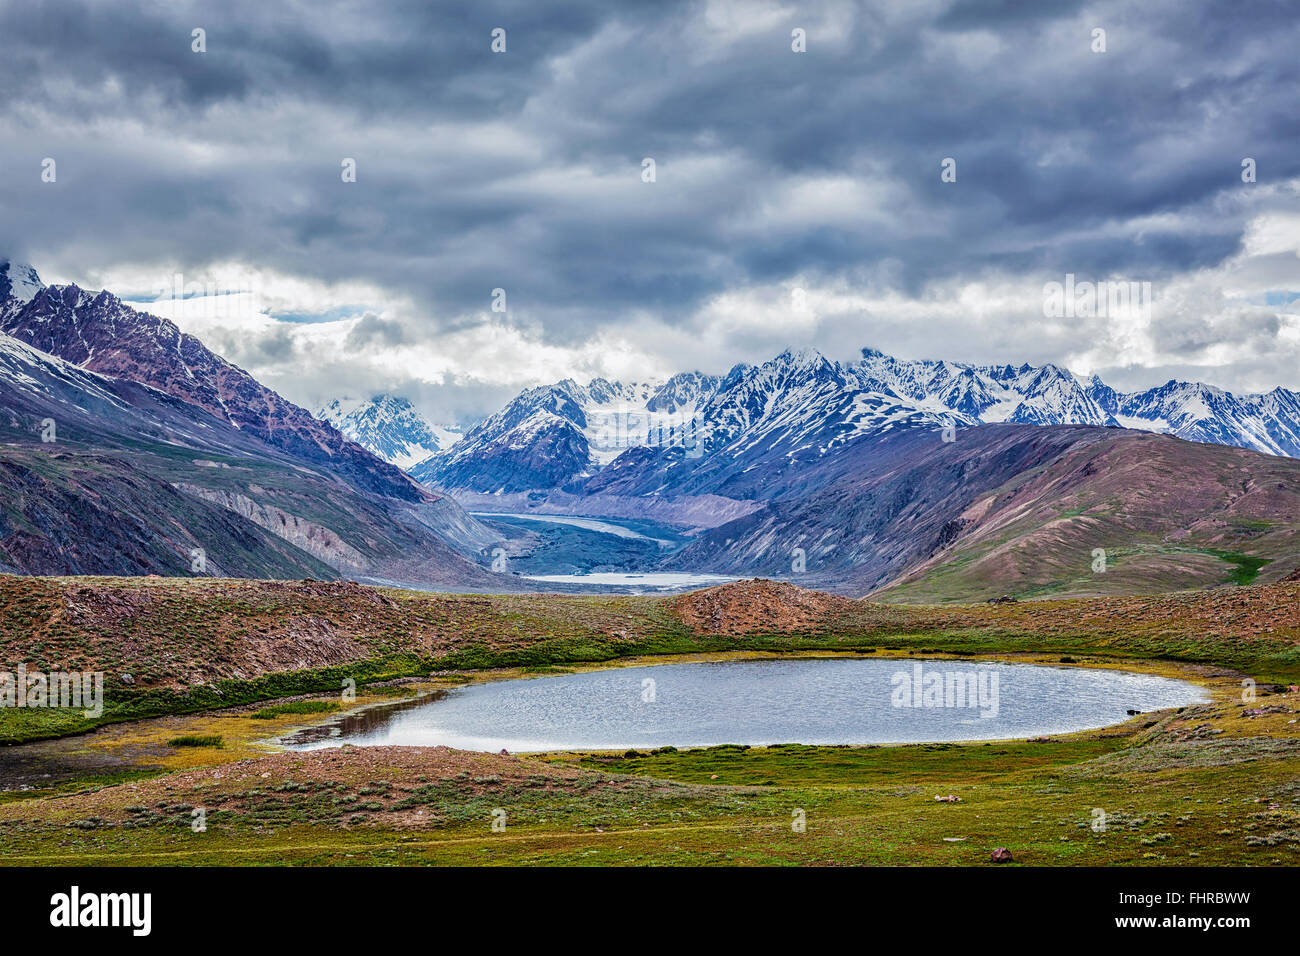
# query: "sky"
[[912, 180]]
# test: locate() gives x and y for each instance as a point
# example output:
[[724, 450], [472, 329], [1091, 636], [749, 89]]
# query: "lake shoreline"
[[729, 789], [139, 746]]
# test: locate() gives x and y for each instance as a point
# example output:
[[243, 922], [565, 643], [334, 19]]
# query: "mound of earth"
[[759, 606]]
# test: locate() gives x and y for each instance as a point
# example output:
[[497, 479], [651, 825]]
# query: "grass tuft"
[[295, 707]]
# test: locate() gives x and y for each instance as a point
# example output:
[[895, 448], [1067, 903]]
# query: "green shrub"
[[295, 707]]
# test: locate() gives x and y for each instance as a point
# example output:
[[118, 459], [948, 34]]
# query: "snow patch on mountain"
[[23, 281], [389, 427], [621, 415], [25, 367], [19, 284]]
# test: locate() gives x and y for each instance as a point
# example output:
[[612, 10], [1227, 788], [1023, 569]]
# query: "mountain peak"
[[802, 357], [19, 284], [389, 427]]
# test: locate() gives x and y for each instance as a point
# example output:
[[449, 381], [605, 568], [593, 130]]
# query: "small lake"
[[758, 702]]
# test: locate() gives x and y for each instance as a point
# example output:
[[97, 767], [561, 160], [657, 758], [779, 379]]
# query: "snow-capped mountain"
[[389, 427], [163, 447], [553, 434], [127, 445], [622, 416], [1045, 395], [536, 441], [1049, 395], [19, 284], [1197, 412], [679, 435], [801, 406], [98, 332], [761, 429]]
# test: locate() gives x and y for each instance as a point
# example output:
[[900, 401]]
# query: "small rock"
[[1001, 855], [127, 679], [1262, 711], [951, 798]]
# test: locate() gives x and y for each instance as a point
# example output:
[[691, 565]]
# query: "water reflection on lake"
[[811, 701]]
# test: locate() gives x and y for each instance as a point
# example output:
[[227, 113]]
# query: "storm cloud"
[[797, 196]]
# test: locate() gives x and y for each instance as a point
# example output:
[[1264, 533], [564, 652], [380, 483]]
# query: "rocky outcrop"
[[315, 539], [102, 514], [758, 607]]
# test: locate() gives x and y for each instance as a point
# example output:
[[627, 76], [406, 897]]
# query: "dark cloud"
[[396, 55], [522, 170], [371, 329], [271, 347]]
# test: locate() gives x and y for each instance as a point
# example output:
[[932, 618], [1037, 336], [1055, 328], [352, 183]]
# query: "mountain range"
[[909, 477], [548, 436], [129, 447], [801, 404]]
